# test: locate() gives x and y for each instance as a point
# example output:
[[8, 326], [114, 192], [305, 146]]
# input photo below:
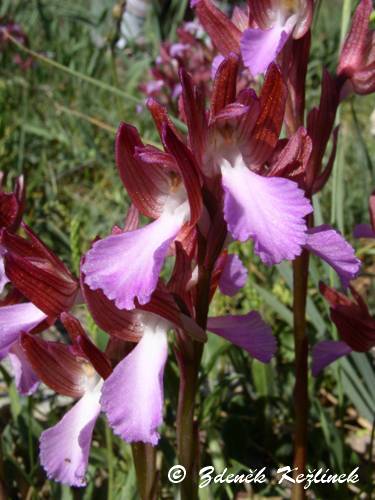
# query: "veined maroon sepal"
[[248, 98], [55, 365], [38, 274], [163, 304], [272, 107], [160, 116], [189, 171], [354, 323], [148, 186], [194, 109], [85, 346], [225, 84], [120, 323], [357, 58], [151, 156], [259, 12], [131, 219], [222, 31], [320, 122], [294, 63], [181, 274], [293, 159]]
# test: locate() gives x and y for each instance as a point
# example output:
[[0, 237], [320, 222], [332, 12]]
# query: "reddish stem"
[[301, 402]]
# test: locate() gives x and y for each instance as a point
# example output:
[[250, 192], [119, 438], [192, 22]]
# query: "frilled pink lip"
[[132, 397], [127, 266], [65, 447], [268, 210]]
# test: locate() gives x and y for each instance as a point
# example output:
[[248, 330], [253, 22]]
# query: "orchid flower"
[[355, 325], [132, 396], [77, 371], [259, 35], [126, 266], [258, 188]]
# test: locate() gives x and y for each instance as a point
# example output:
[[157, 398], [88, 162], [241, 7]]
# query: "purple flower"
[[268, 210], [69, 370], [126, 266]]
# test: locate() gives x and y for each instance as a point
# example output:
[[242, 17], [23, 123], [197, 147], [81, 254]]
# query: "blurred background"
[[58, 116]]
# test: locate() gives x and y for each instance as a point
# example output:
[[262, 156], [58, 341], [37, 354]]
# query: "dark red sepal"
[[268, 126], [223, 33], [38, 274], [85, 346], [123, 324], [294, 157], [320, 122], [353, 52], [225, 84], [55, 365], [352, 318], [195, 113], [160, 116], [163, 304], [189, 171], [147, 185]]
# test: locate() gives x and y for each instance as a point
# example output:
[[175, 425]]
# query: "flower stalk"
[[189, 361], [301, 403], [144, 456]]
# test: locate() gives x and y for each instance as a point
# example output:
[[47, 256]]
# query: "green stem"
[[108, 436], [301, 402], [144, 457]]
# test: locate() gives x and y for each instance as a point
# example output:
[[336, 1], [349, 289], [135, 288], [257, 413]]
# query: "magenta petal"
[[127, 266], [65, 447], [270, 210], [363, 231], [330, 246], [233, 277], [326, 352], [26, 379], [260, 48], [249, 332], [132, 396], [18, 318]]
